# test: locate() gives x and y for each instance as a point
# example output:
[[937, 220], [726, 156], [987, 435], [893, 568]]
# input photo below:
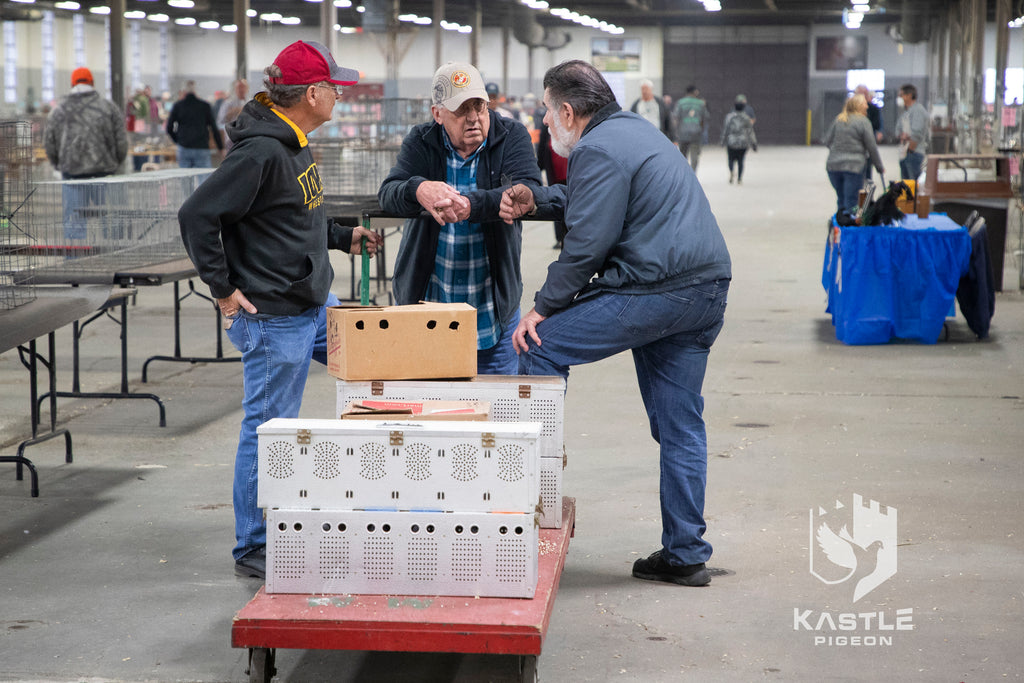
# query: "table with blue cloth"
[[898, 281]]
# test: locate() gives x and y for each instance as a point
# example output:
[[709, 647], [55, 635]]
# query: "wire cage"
[[355, 151], [80, 231], [16, 164]]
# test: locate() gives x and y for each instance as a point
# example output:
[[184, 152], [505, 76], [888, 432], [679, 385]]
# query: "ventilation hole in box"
[[415, 528], [379, 558], [335, 558], [417, 461], [383, 324], [503, 530], [280, 456], [505, 410], [510, 561], [519, 531], [511, 462], [453, 325], [371, 528], [422, 559], [474, 529], [431, 324], [467, 560], [282, 526], [297, 526], [543, 410], [464, 462], [386, 528], [458, 528], [372, 461], [548, 488], [326, 460], [289, 558], [430, 528], [326, 526], [360, 324]]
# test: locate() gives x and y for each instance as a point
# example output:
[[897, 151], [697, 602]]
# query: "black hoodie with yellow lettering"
[[258, 222]]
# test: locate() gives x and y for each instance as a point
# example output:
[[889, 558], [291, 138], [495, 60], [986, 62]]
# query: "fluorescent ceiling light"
[[250, 13], [347, 29], [102, 9], [342, 3], [181, 4], [135, 14], [271, 16], [423, 21], [209, 25], [185, 21], [290, 21], [229, 28], [67, 5], [159, 17]]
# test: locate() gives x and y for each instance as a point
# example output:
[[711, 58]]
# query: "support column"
[[241, 18], [474, 37], [328, 17], [117, 31], [438, 32], [1002, 56]]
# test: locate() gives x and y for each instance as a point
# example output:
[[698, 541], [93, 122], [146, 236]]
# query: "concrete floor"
[[121, 570]]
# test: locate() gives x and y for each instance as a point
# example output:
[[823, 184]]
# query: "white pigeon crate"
[[401, 553], [399, 465], [513, 398]]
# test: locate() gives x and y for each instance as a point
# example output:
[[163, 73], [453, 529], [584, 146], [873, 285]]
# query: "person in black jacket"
[[257, 232], [190, 125], [454, 168]]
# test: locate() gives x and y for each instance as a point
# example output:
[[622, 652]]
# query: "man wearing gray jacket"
[[914, 131], [644, 268]]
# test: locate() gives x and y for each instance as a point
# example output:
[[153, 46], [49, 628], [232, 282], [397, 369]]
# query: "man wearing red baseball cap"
[[259, 236]]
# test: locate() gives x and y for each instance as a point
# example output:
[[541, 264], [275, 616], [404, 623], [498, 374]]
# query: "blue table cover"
[[886, 282]]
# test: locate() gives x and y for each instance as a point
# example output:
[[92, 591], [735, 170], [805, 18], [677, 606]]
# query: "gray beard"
[[562, 141]]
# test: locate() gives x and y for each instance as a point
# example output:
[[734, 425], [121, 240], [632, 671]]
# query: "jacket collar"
[[600, 115]]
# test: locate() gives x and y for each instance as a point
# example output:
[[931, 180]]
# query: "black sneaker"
[[252, 565], [656, 568]]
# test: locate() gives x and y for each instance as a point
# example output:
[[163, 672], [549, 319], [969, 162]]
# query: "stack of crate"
[[400, 507], [513, 398]]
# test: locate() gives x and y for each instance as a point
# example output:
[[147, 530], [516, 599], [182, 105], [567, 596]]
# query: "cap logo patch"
[[460, 79]]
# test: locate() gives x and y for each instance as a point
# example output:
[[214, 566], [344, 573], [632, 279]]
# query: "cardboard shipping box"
[[420, 341], [417, 410]]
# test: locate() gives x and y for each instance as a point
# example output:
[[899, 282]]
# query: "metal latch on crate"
[[524, 390], [377, 387], [487, 439], [303, 437], [397, 438]]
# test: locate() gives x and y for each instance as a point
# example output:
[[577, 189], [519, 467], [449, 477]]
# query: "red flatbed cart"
[[393, 623]]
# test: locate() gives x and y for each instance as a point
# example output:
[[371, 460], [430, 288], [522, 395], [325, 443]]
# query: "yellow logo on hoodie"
[[312, 187]]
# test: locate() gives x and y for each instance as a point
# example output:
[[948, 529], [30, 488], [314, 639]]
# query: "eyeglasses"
[[338, 90], [476, 104]]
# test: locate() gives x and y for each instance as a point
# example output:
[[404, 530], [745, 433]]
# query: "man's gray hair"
[[280, 94], [190, 86], [580, 85], [648, 82]]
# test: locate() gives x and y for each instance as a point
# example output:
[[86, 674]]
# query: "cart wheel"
[[261, 665], [528, 669]]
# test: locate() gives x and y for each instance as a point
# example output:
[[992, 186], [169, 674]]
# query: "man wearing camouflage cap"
[[453, 168]]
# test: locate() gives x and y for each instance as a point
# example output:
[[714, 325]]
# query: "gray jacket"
[[637, 217], [850, 143], [914, 122], [85, 135]]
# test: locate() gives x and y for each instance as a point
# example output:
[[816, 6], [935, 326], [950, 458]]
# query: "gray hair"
[[280, 94], [580, 85], [190, 86], [648, 82]]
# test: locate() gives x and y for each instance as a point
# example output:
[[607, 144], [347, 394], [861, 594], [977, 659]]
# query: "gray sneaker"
[[656, 568], [252, 565]]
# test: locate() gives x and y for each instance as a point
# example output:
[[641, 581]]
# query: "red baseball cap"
[[81, 75], [305, 63]]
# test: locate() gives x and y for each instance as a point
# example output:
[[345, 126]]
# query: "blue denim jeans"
[[847, 185], [275, 363], [910, 166], [669, 334], [500, 359], [194, 158]]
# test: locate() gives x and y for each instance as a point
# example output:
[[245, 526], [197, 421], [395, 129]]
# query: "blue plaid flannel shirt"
[[461, 271]]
